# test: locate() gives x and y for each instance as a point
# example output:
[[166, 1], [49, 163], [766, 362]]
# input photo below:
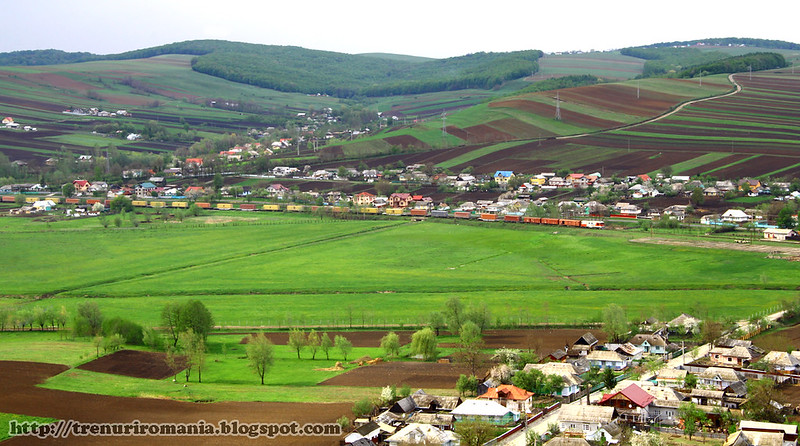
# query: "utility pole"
[[558, 108], [750, 70], [637, 89], [444, 129], [701, 79]]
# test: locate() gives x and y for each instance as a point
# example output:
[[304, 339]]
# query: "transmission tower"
[[444, 129], [558, 108], [637, 89]]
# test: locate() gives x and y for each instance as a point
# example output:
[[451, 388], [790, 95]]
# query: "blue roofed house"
[[144, 189], [502, 177]]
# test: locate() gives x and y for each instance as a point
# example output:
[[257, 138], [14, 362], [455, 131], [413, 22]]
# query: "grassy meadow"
[[274, 270]]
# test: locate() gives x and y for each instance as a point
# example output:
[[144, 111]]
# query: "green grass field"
[[288, 270]]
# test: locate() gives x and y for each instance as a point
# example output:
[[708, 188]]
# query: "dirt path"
[[663, 115], [790, 251], [20, 395]]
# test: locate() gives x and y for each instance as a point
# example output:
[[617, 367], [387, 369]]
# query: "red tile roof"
[[634, 393], [507, 392]]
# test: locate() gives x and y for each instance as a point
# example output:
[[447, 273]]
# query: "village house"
[[511, 397], [583, 420], [603, 359], [670, 377], [586, 343], [719, 377], [758, 433], [400, 200], [651, 344], [81, 186], [415, 433], [631, 404], [683, 324], [735, 216], [426, 402], [143, 190], [194, 192], [737, 356], [779, 234], [484, 410], [567, 441], [363, 199], [782, 361], [568, 373]]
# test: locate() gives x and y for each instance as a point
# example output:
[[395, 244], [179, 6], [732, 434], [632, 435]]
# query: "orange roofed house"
[[511, 397]]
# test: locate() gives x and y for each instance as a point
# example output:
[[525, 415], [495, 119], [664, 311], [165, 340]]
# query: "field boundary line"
[[231, 258]]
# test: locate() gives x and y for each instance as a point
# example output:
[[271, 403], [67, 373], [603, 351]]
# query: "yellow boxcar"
[[31, 199], [139, 203], [370, 210], [271, 207], [180, 204], [394, 211], [158, 204], [224, 206], [295, 208], [55, 200]]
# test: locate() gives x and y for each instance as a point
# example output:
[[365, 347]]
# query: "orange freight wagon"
[[488, 217], [202, 205], [465, 215], [512, 218], [565, 222], [535, 220], [550, 221], [247, 207], [419, 212]]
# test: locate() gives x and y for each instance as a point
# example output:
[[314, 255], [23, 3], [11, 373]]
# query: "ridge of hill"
[[296, 69]]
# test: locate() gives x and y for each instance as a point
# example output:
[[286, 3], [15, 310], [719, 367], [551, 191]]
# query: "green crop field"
[[287, 271]]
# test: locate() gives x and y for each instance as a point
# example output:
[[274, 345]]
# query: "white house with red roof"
[[510, 396]]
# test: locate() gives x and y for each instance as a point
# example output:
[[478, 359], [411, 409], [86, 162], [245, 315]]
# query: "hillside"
[[301, 70]]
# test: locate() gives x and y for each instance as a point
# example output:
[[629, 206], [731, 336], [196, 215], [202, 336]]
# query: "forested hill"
[[723, 41], [295, 69]]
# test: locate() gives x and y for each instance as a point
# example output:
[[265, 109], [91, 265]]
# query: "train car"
[[315, 208], [93, 201], [632, 217], [107, 203], [9, 199], [461, 214], [340, 209], [549, 221], [394, 211], [271, 207], [224, 206], [534, 220], [512, 218], [56, 200], [439, 214], [31, 199], [569, 222], [203, 205], [137, 203], [180, 204], [77, 201], [593, 224], [488, 217], [370, 211], [419, 212], [247, 207], [158, 204], [295, 208]]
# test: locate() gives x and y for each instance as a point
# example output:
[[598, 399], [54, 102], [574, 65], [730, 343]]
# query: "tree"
[[690, 381], [297, 340], [423, 342], [590, 379], [480, 315], [758, 407], [260, 354], [615, 322], [362, 407], [313, 343], [454, 313], [217, 183], [121, 204], [697, 198], [692, 418], [470, 344], [391, 344], [710, 330], [608, 378], [344, 345], [436, 321], [89, 318], [474, 433], [112, 343], [193, 346], [325, 344], [785, 219], [195, 316], [152, 339], [68, 190], [170, 319]]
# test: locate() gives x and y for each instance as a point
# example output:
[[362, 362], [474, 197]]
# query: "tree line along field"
[[292, 271]]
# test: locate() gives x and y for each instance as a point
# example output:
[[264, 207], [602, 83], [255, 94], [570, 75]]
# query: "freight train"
[[420, 212]]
